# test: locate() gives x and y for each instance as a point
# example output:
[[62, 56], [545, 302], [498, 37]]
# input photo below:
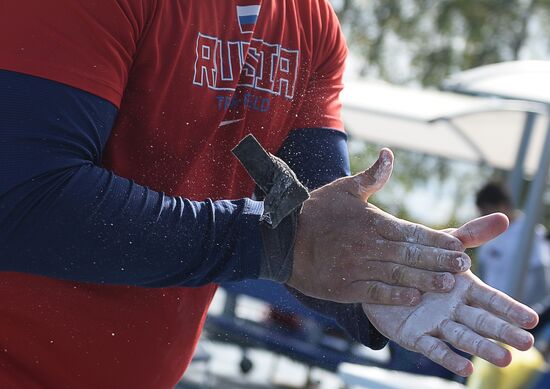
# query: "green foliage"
[[432, 39], [423, 42]]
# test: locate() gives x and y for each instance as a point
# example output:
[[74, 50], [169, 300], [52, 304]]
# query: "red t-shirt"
[[190, 78]]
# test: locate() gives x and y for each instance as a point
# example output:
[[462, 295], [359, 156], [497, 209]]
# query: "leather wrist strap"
[[284, 195]]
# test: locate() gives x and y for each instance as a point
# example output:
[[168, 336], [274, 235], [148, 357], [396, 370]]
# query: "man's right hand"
[[467, 318], [347, 250]]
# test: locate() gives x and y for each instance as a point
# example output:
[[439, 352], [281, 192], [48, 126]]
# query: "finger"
[[467, 340], [500, 304], [400, 275], [421, 257], [440, 353], [365, 184], [403, 231], [493, 327], [480, 230], [375, 292]]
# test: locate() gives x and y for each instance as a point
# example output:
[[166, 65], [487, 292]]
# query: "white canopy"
[[523, 80], [477, 129]]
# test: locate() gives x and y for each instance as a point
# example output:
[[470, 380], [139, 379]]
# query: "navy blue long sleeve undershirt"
[[63, 216]]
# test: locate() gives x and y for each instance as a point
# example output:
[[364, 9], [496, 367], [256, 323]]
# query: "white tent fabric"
[[476, 129], [522, 80]]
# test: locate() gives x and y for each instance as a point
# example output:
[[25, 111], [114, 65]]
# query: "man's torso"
[[204, 74]]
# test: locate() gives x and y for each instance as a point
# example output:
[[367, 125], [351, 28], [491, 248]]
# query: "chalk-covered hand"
[[467, 317], [347, 250]]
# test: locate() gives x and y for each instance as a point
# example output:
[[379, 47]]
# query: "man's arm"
[[63, 216]]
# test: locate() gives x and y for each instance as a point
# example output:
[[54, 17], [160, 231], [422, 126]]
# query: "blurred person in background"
[[496, 256]]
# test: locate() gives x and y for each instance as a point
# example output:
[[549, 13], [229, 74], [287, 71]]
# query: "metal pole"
[[524, 248], [515, 179]]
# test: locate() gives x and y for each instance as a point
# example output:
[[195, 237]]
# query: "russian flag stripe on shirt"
[[246, 10], [247, 15], [251, 19]]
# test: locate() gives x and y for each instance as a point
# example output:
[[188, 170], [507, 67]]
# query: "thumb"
[[365, 184], [478, 231]]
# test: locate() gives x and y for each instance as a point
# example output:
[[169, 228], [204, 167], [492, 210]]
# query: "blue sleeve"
[[63, 216], [317, 155]]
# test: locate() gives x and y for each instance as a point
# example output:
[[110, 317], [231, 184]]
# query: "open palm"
[[466, 317]]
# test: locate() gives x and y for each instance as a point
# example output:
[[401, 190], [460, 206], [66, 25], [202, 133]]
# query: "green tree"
[[423, 42], [435, 38]]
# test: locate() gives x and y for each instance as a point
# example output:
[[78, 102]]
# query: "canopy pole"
[[522, 252], [515, 178]]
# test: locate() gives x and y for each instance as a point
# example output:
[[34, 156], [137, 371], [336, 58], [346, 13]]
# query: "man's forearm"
[[61, 215]]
